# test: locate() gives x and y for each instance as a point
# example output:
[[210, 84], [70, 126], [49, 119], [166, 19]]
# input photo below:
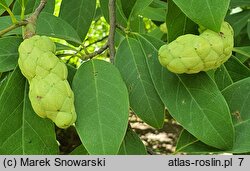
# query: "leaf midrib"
[[98, 107]]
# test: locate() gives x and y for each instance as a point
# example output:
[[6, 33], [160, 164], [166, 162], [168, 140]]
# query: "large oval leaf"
[[207, 13], [193, 100], [9, 53], [21, 130], [101, 101], [238, 97], [144, 99], [79, 14], [187, 143]]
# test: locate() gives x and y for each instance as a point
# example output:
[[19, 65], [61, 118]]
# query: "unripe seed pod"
[[50, 93], [192, 53]]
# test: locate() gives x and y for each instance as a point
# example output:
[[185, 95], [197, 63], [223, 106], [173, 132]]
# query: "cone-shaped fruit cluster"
[[50, 93], [192, 53]]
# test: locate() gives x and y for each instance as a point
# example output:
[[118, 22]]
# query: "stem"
[[91, 55], [23, 10], [31, 26], [99, 40], [120, 27], [14, 26], [68, 54], [111, 38]]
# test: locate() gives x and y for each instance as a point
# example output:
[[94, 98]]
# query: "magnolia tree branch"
[[112, 20], [14, 26], [97, 41], [98, 52], [31, 26]]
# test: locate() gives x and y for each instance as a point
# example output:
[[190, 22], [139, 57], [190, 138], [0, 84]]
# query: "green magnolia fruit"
[[163, 28], [192, 53], [50, 93]]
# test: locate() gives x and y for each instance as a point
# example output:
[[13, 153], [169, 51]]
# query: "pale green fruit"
[[50, 93], [163, 28], [192, 53]]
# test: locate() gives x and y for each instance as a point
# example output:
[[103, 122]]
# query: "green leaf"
[[8, 2], [71, 73], [207, 13], [60, 47], [239, 3], [80, 150], [242, 144], [156, 33], [248, 29], [137, 25], [127, 7], [178, 23], [186, 98], [243, 53], [21, 130], [31, 5], [222, 78], [238, 21], [80, 17], [238, 97], [101, 102], [236, 69], [49, 25], [156, 14], [189, 144], [132, 145], [139, 6], [9, 53], [144, 100], [132, 8], [3, 4], [120, 17]]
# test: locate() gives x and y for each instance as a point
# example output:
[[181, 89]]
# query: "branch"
[[91, 55], [112, 20], [31, 26], [14, 26], [97, 41]]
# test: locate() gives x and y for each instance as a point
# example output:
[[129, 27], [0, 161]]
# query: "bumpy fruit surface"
[[192, 53], [50, 93]]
